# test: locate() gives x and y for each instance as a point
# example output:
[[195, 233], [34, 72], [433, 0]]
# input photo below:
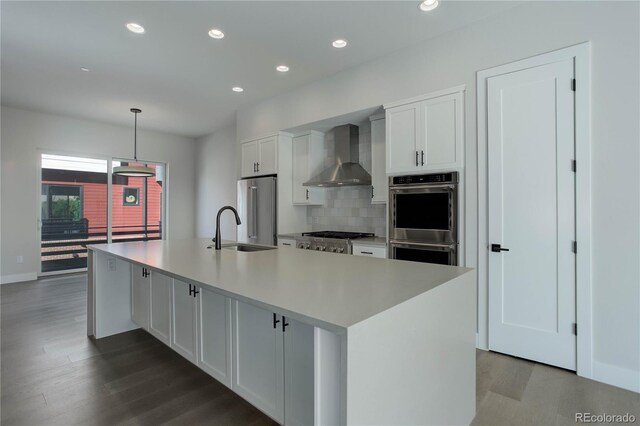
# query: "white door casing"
[[531, 202]]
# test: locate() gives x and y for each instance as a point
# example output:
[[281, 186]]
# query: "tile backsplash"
[[349, 208]]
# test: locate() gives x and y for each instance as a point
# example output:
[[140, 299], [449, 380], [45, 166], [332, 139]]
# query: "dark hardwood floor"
[[53, 374]]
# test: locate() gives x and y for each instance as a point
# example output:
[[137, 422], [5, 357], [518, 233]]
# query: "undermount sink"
[[246, 247]]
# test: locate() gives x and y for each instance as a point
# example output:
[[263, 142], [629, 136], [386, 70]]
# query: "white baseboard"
[[616, 376], [16, 278]]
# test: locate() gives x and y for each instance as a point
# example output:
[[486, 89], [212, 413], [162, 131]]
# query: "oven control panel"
[[451, 177]]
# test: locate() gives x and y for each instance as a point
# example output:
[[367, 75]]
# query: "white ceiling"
[[177, 74]]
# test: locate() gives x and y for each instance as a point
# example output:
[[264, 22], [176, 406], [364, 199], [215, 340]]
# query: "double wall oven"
[[423, 218]]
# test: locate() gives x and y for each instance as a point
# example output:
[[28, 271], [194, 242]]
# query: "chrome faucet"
[[217, 238]]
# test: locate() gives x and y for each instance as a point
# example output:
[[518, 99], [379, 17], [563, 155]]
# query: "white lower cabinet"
[[184, 323], [140, 295], [369, 250], [214, 335], [287, 369], [286, 243], [258, 374], [274, 363], [160, 307]]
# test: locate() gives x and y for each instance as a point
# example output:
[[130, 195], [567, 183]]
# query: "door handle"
[[190, 290], [416, 158], [497, 249], [275, 321], [422, 157], [284, 324], [195, 291]]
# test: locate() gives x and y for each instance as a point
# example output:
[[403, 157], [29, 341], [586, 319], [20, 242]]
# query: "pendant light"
[[134, 171]]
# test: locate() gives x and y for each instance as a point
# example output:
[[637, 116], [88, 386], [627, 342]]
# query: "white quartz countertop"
[[334, 291]]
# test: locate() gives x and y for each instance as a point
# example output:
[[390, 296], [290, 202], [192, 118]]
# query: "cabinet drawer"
[[286, 243], [371, 251]]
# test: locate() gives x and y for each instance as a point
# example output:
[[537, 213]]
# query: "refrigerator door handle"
[[253, 211]]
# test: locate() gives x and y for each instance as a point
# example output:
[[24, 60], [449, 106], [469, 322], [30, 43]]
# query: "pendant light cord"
[[135, 136]]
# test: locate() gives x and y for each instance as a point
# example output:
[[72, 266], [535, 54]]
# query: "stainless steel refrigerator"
[[257, 210]]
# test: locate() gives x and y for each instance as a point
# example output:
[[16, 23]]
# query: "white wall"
[[217, 166], [453, 59], [24, 133]]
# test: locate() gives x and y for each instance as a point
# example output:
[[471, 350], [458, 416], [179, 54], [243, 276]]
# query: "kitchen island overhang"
[[388, 342]]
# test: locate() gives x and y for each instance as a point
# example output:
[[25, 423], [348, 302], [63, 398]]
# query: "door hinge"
[[573, 165], [574, 246], [573, 84], [575, 329]]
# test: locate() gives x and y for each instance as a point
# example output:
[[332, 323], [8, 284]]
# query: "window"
[[130, 197], [61, 202]]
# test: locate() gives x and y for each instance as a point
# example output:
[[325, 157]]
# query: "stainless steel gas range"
[[331, 241]]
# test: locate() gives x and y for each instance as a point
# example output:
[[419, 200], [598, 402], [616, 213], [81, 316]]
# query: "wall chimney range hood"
[[347, 171]]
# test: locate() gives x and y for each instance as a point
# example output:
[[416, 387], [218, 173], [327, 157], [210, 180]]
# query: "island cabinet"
[[425, 133], [184, 321], [160, 306], [274, 363], [140, 296], [214, 334], [259, 157]]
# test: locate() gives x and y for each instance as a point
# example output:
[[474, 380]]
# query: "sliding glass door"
[[82, 202], [73, 210]]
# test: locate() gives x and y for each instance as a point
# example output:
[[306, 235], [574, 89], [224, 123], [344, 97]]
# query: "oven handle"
[[412, 187], [407, 244]]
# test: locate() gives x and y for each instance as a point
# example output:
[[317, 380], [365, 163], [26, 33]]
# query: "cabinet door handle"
[[371, 191], [366, 252], [307, 194], [275, 321], [286, 244], [284, 323], [254, 167], [257, 167], [422, 157], [416, 158], [195, 291]]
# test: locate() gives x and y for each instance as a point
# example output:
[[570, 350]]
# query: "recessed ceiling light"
[[216, 33], [85, 69], [135, 28], [282, 68], [428, 5], [237, 89], [339, 44]]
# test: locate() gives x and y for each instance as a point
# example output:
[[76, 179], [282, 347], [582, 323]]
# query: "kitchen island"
[[306, 337]]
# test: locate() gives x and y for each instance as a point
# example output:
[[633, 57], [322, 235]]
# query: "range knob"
[[340, 250], [322, 248], [334, 249], [317, 248], [307, 246]]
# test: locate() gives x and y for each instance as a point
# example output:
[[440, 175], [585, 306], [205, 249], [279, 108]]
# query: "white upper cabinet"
[[268, 156], [426, 133], [308, 161], [259, 157], [249, 152], [379, 180]]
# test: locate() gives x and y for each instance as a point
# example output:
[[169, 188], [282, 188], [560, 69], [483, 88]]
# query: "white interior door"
[[530, 124]]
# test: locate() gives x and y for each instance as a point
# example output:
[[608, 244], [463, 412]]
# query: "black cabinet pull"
[[422, 157], [416, 158], [307, 194], [496, 248], [190, 290], [195, 291], [286, 244], [275, 321], [366, 252], [284, 323], [372, 192], [257, 167]]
